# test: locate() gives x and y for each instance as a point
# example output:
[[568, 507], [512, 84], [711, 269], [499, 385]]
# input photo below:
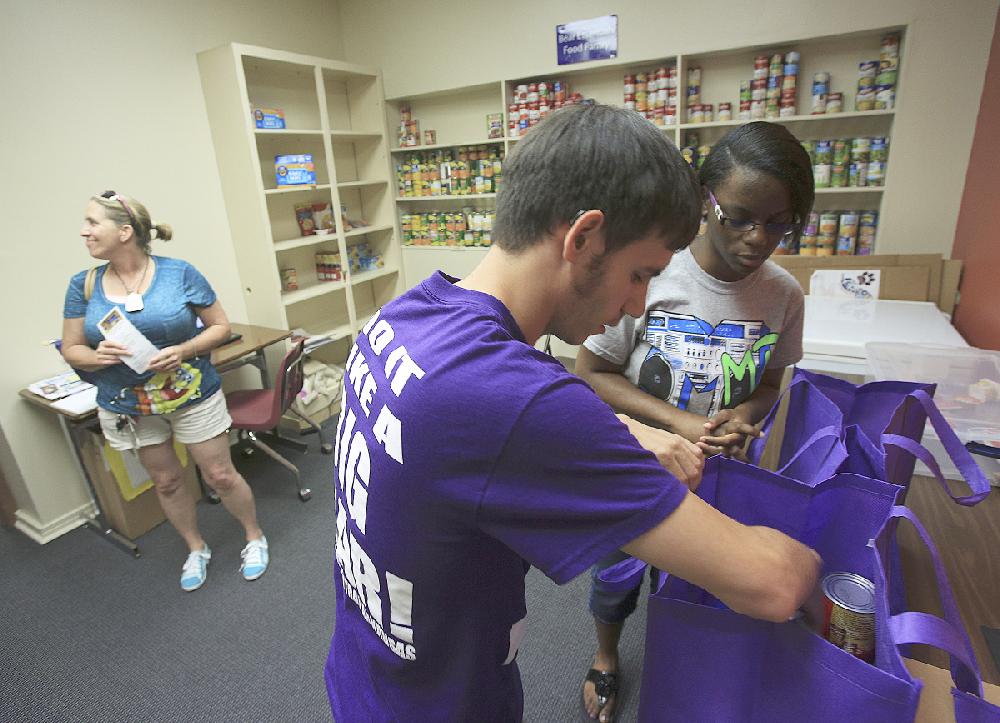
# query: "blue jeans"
[[611, 606]]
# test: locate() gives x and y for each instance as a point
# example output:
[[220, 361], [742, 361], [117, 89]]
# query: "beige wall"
[[430, 46], [101, 95]]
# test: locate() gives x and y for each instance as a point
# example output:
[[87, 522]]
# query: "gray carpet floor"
[[87, 633]]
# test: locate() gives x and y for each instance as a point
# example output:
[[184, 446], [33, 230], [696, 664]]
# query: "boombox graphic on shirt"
[[699, 367]]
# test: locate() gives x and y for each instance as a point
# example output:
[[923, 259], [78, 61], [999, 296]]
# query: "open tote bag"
[[704, 662], [871, 429]]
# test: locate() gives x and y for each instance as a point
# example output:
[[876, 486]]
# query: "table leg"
[[98, 524]]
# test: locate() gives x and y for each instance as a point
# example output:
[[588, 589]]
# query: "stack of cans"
[[877, 78]]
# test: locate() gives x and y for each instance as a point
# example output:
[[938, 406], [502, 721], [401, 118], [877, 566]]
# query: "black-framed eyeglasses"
[[772, 230], [112, 196]]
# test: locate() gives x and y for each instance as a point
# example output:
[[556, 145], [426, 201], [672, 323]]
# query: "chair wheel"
[[305, 495], [326, 448]]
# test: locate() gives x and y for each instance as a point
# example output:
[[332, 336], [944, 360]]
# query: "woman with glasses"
[[177, 392], [706, 359]]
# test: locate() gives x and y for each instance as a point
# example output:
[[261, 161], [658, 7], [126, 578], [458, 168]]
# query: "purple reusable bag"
[[873, 429], [706, 663]]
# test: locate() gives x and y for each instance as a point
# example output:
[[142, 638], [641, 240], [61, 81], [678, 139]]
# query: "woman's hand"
[[109, 353], [167, 359], [727, 433]]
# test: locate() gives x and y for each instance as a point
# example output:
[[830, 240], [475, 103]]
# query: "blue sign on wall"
[[583, 40]]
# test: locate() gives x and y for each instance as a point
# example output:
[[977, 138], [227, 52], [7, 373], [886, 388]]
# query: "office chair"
[[258, 410]]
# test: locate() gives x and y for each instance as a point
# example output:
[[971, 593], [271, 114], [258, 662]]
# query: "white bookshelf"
[[334, 111]]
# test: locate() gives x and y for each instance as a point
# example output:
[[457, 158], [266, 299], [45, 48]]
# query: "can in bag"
[[849, 623]]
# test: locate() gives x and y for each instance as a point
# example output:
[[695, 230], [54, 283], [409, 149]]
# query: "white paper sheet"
[[115, 326], [78, 403], [843, 284]]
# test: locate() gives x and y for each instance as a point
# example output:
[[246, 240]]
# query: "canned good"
[[865, 99], [835, 103], [824, 152], [430, 137], [838, 175], [786, 111], [818, 104], [841, 154], [821, 77], [867, 226], [630, 84], [879, 148], [745, 90], [886, 77], [875, 174], [774, 81], [889, 51], [756, 109], [868, 69], [725, 112], [860, 148], [772, 111], [849, 623], [788, 83], [289, 279], [821, 175], [885, 97], [791, 69], [847, 235], [708, 112], [857, 174], [792, 57]]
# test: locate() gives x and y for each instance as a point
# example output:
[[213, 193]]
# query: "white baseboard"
[[46, 532]]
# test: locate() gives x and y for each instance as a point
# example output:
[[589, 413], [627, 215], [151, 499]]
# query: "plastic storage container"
[[968, 394]]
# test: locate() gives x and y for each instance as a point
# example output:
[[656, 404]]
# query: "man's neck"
[[523, 282]]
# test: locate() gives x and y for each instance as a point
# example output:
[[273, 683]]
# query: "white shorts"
[[196, 423]]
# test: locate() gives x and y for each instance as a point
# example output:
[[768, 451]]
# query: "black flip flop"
[[605, 686]]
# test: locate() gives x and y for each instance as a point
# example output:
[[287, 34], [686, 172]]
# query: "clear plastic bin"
[[968, 394]]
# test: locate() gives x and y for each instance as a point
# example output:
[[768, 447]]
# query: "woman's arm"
[[80, 355]]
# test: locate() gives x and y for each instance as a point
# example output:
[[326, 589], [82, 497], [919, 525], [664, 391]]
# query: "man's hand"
[[727, 433], [678, 456]]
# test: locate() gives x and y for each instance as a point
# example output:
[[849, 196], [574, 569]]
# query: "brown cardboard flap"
[[905, 277]]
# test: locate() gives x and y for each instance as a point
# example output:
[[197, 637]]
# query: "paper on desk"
[[116, 327], [79, 403], [842, 284]]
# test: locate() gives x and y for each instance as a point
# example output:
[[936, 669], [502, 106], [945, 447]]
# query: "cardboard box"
[[936, 705], [134, 517]]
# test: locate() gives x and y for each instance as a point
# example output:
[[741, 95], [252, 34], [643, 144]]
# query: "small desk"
[[247, 350]]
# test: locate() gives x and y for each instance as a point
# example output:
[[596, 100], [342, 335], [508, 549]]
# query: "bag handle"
[[962, 458], [835, 458], [88, 283], [756, 449], [948, 633]]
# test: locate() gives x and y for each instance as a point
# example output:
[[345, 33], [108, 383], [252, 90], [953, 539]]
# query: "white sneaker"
[[255, 558], [195, 569]]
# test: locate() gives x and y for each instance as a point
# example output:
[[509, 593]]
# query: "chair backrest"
[[288, 382]]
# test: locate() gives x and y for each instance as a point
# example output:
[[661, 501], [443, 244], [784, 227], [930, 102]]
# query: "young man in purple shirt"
[[464, 455]]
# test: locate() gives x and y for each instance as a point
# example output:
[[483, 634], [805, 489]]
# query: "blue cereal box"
[[295, 170], [270, 118]]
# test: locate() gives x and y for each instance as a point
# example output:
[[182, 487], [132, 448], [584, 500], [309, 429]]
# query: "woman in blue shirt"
[[180, 394]]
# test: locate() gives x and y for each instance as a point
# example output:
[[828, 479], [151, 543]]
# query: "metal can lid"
[[850, 591]]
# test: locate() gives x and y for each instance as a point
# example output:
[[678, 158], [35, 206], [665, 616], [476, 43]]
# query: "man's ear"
[[584, 236]]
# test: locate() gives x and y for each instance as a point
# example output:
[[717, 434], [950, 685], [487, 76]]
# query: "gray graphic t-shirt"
[[703, 344]]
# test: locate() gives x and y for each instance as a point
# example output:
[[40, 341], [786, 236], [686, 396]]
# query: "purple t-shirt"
[[464, 456]]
